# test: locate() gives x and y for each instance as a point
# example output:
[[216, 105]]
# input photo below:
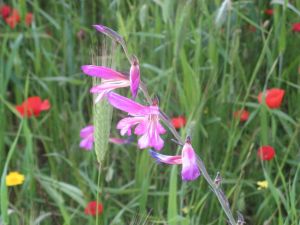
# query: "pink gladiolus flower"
[[87, 135], [188, 159], [111, 80], [145, 118], [134, 76]]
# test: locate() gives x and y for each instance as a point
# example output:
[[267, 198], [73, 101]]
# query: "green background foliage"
[[197, 69]]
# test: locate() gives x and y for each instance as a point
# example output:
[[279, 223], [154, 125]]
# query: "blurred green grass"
[[197, 69]]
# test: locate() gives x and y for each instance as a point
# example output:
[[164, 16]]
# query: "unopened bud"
[[218, 180]]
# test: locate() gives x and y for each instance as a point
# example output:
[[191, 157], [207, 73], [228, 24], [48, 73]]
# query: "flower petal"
[[110, 33], [141, 128], [130, 106], [124, 125], [87, 131], [190, 169], [273, 97], [165, 158], [110, 85], [143, 141], [87, 143], [102, 72], [134, 76]]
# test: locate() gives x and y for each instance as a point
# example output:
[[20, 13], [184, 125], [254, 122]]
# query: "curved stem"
[[215, 188], [218, 192]]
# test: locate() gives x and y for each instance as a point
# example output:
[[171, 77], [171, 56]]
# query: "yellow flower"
[[262, 184], [14, 178]]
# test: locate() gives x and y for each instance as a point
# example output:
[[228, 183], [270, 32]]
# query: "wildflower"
[[33, 106], [178, 122], [296, 27], [111, 80], [28, 19], [266, 152], [13, 19], [242, 115], [5, 11], [269, 12], [188, 159], [87, 135], [120, 141], [262, 185], [145, 118], [134, 76], [14, 178], [93, 208], [273, 97]]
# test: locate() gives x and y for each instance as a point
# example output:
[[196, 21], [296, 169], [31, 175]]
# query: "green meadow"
[[203, 59]]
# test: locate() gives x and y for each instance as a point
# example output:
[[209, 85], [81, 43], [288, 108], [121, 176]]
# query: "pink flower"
[[87, 135], [120, 141], [145, 118], [111, 80], [116, 79], [273, 97], [188, 159], [134, 76]]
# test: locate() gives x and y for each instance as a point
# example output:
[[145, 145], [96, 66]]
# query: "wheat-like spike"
[[102, 111]]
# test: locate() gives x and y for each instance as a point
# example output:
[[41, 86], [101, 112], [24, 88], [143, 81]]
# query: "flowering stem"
[[215, 188], [218, 192]]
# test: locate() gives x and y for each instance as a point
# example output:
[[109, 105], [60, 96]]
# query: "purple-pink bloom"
[[87, 135], [144, 118], [134, 76], [111, 80], [188, 159], [120, 141]]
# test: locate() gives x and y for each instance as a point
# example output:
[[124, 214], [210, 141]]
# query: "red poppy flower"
[[273, 97], [28, 19], [296, 27], [266, 152], [13, 19], [269, 12], [33, 106], [93, 208], [242, 115], [178, 122], [5, 11]]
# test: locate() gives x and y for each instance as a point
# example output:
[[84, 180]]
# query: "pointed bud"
[[134, 76], [218, 180]]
